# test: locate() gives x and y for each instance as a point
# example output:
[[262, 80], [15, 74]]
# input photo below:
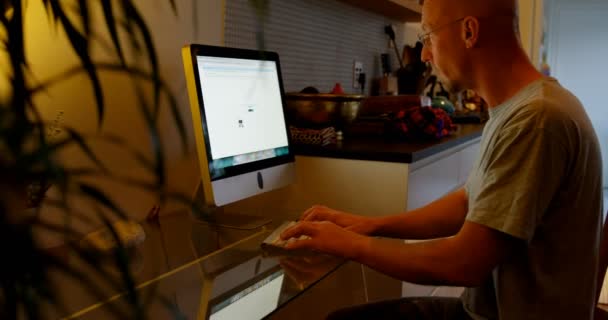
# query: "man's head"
[[460, 35]]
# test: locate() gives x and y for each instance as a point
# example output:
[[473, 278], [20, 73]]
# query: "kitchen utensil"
[[408, 55], [386, 64], [391, 34]]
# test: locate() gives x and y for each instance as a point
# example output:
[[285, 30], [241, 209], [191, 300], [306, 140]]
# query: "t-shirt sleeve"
[[517, 181]]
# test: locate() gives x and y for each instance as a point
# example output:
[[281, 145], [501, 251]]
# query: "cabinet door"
[[441, 176], [468, 156], [426, 185], [432, 181], [370, 188]]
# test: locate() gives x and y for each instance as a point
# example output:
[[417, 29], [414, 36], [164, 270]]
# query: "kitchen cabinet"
[[372, 177], [400, 10]]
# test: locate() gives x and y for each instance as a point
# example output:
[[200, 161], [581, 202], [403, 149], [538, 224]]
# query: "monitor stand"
[[219, 217]]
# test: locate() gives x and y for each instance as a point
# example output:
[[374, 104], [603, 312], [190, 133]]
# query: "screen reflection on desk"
[[253, 302], [241, 290]]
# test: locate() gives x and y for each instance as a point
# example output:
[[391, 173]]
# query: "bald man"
[[523, 234]]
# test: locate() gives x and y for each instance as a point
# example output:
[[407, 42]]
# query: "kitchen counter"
[[377, 149]]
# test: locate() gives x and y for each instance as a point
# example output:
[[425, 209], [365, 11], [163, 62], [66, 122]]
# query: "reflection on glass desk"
[[254, 301], [222, 279]]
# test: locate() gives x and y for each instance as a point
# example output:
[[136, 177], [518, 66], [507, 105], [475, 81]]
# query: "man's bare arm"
[[466, 259], [441, 218], [463, 260]]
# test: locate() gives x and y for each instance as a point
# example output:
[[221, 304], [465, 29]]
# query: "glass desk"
[[189, 270]]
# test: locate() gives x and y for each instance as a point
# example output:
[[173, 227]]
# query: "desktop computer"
[[242, 138]]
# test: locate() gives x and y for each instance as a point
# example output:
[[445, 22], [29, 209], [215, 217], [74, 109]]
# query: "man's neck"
[[498, 82]]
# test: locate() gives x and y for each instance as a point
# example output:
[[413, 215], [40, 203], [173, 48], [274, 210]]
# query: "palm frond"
[[75, 137], [157, 149], [122, 263], [136, 21], [80, 45], [85, 17], [100, 197], [16, 51], [108, 13], [136, 73], [25, 285]]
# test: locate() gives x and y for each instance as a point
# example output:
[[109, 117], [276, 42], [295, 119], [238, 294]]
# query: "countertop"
[[378, 149]]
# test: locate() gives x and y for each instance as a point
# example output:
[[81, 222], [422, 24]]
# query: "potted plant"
[[28, 162]]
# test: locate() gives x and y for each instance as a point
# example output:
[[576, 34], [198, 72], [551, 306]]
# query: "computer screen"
[[237, 106]]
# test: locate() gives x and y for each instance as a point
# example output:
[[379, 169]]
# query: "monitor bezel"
[[236, 53]]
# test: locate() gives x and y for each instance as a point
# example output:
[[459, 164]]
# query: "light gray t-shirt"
[[538, 178]]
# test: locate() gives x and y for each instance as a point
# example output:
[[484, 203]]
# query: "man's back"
[[539, 179]]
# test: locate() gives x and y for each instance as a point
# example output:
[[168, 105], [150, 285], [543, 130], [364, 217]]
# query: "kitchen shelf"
[[402, 10]]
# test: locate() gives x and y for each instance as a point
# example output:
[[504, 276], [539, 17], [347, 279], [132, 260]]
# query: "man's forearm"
[[442, 218], [466, 259], [434, 262]]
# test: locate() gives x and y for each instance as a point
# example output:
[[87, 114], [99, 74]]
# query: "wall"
[[317, 40], [531, 25], [577, 50], [49, 53]]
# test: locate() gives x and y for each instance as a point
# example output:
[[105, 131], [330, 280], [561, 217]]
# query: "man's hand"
[[326, 237], [354, 223]]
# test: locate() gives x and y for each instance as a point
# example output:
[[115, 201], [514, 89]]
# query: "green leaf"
[[140, 157], [108, 13], [174, 6], [17, 57], [179, 121], [5, 23], [91, 259], [78, 139], [80, 45], [95, 194], [85, 17], [45, 152], [157, 148], [181, 198], [135, 72], [133, 16], [121, 259]]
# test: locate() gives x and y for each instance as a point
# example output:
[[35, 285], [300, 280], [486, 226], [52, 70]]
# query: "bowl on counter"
[[321, 110]]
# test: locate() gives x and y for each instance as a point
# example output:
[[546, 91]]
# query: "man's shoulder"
[[549, 106]]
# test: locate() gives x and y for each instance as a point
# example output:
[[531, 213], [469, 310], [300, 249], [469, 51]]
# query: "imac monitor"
[[237, 105]]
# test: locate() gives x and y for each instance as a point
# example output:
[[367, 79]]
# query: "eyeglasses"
[[425, 38]]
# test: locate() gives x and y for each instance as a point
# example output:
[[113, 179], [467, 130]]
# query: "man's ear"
[[470, 31]]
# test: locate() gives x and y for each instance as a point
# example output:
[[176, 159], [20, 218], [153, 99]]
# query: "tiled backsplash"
[[317, 40]]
